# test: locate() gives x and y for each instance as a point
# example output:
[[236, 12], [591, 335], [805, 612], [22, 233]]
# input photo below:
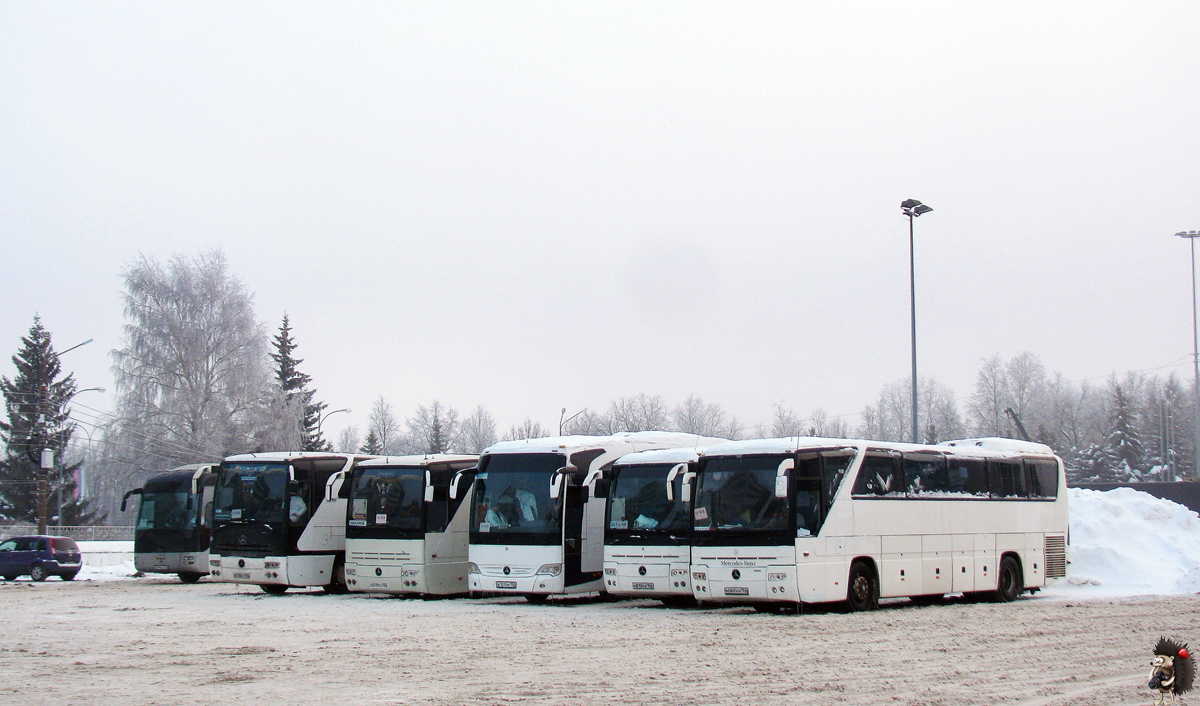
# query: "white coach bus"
[[781, 522], [648, 526], [537, 527], [279, 520], [404, 534]]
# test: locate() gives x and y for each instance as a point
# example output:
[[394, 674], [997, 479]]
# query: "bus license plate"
[[737, 591], [241, 575], [506, 584], [642, 586]]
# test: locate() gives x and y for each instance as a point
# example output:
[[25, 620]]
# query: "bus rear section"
[[786, 521], [537, 527], [647, 541], [404, 533], [172, 531], [279, 520]]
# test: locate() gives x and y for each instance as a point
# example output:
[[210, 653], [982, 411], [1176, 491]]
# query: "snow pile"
[[1125, 542], [112, 572]]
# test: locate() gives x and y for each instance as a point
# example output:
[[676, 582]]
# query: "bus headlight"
[[549, 570], [410, 572], [610, 572], [776, 577], [700, 575], [214, 562], [679, 572], [270, 565], [473, 568]]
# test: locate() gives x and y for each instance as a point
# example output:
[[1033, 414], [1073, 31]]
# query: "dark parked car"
[[39, 556]]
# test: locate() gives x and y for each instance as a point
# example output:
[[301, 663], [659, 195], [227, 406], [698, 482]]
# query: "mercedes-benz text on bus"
[[537, 528], [648, 526], [404, 533], [279, 520], [172, 531], [780, 522]]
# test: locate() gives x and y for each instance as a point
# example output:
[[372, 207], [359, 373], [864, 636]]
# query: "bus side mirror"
[[454, 485], [556, 483], [125, 498], [428, 487], [675, 471], [686, 491], [781, 477], [600, 488]]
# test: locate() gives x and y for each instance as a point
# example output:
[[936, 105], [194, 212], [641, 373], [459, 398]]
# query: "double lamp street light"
[[913, 209]]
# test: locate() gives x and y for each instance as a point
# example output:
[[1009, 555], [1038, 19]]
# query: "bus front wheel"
[[862, 591], [1010, 580], [536, 597], [189, 576], [274, 589]]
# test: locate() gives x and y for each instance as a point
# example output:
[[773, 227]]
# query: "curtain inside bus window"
[[1043, 478], [833, 471], [926, 475], [1006, 479], [879, 476]]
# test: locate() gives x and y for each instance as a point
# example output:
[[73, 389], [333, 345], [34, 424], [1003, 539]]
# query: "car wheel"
[[862, 591], [189, 576], [274, 589], [37, 572], [1009, 582], [68, 577]]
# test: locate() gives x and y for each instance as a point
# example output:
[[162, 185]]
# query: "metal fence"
[[84, 533]]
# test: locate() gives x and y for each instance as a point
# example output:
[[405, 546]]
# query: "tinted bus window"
[[968, 476], [880, 476], [926, 476], [1007, 479], [1043, 478]]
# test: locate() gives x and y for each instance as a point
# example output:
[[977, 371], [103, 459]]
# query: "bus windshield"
[[251, 492], [387, 497], [512, 494], [164, 510], [638, 501], [738, 494]]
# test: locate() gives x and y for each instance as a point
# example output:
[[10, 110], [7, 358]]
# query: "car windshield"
[[738, 493], [638, 501], [251, 491], [164, 511], [387, 497], [512, 494]]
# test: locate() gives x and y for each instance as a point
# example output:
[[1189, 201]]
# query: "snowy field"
[[112, 638]]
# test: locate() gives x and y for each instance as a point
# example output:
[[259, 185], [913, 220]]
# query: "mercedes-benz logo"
[[642, 570], [241, 539], [736, 574], [378, 571], [507, 571], [241, 563]]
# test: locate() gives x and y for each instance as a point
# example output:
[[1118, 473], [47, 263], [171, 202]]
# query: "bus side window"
[[833, 472], [968, 476], [1007, 479], [879, 475], [926, 476], [1043, 478]]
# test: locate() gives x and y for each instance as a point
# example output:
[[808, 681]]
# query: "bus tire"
[[862, 590], [537, 597], [189, 576], [679, 601], [274, 589], [337, 584], [1009, 581]]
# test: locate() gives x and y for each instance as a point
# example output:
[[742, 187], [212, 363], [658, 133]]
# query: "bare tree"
[[891, 417], [639, 413], [820, 424], [693, 416], [434, 429], [786, 422], [527, 429], [192, 375], [349, 440], [986, 408], [478, 431], [385, 428], [589, 423]]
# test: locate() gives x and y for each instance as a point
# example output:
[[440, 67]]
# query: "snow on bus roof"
[[546, 444], [416, 459], [989, 446], [287, 456], [660, 456]]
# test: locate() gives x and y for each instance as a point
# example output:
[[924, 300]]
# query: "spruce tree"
[[295, 387], [1124, 442], [371, 445], [35, 403]]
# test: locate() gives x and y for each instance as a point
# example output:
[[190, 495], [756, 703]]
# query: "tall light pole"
[[327, 415], [913, 208], [1191, 235]]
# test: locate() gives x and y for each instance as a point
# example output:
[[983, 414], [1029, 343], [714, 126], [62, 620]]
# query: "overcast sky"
[[537, 206]]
